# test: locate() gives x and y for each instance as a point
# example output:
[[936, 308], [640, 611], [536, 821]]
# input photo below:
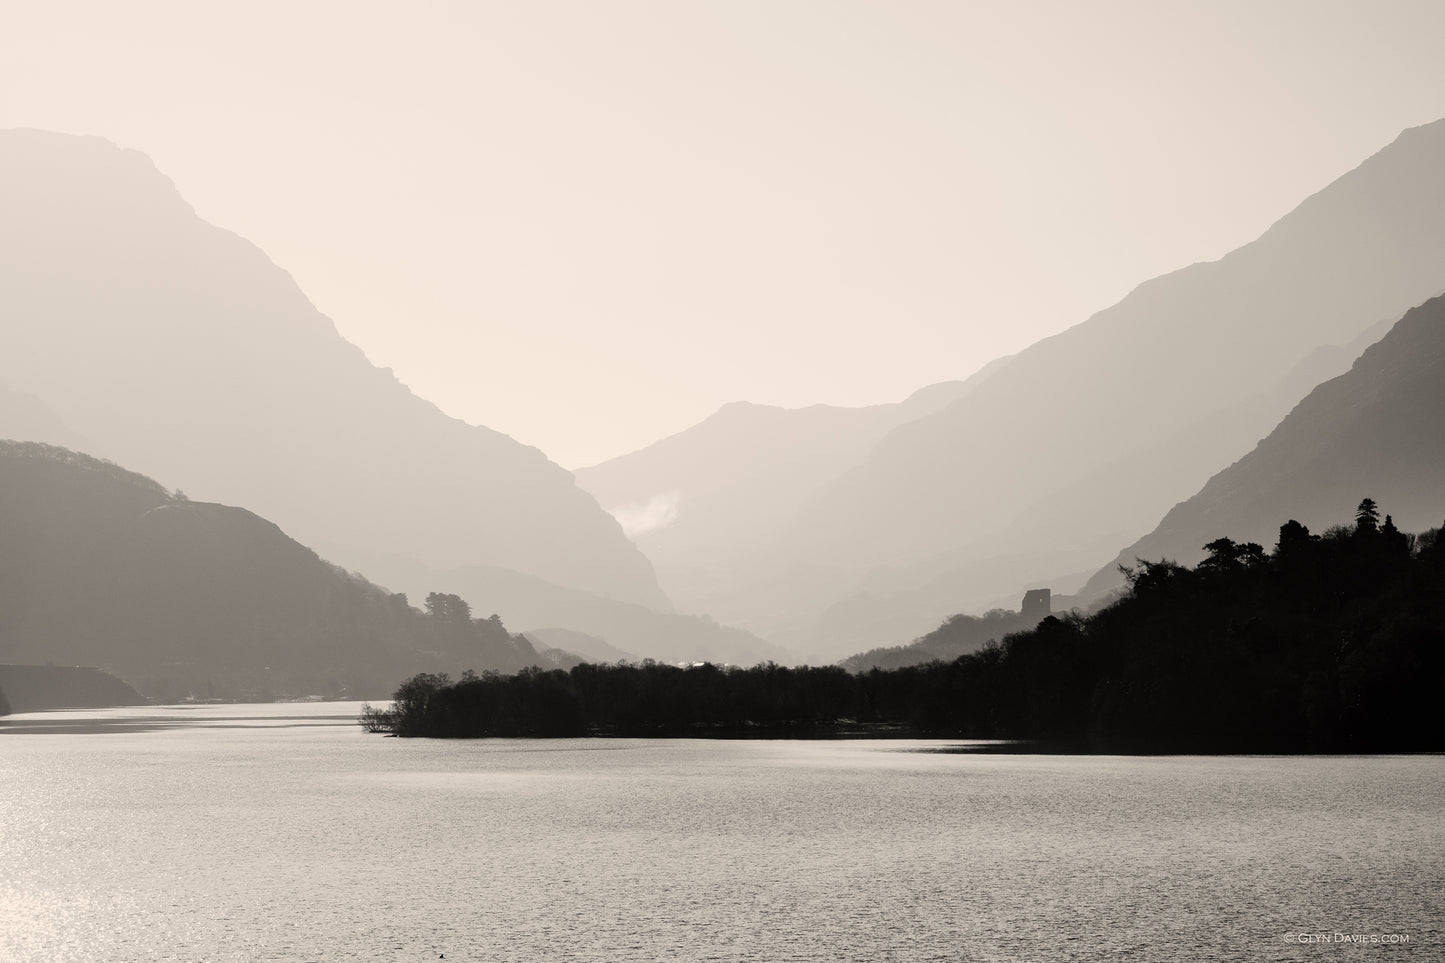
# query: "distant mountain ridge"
[[1071, 419], [1368, 246], [722, 487], [1374, 431], [580, 644], [528, 603], [183, 351], [892, 604]]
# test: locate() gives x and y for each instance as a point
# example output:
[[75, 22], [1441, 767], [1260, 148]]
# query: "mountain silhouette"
[[901, 602], [1375, 430], [721, 489], [182, 351], [103, 567], [1176, 352]]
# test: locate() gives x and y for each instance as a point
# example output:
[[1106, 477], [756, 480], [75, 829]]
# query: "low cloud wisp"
[[659, 512]]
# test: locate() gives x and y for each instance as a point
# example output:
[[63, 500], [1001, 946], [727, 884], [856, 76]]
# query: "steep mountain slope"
[[1180, 460], [1374, 431], [103, 567], [1175, 351], [701, 502], [1179, 347], [182, 351], [900, 603]]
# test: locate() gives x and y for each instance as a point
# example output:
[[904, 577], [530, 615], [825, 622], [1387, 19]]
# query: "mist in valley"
[[801, 480], [903, 320]]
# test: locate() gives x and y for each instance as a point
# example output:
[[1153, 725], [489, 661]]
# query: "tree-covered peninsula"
[[1328, 643]]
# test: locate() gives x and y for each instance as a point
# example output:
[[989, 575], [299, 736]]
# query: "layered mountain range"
[[899, 602], [136, 331], [182, 351], [1081, 442], [1373, 432], [706, 504]]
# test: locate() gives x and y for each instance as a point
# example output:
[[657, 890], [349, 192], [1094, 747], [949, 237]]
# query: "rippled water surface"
[[285, 833]]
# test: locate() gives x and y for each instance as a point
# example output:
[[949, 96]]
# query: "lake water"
[[284, 832]]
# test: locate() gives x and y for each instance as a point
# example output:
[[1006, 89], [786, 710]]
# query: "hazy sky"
[[588, 224]]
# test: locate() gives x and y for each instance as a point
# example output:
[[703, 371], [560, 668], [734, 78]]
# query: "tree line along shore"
[[1331, 642]]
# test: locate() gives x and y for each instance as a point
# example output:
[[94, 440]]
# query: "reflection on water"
[[285, 833]]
